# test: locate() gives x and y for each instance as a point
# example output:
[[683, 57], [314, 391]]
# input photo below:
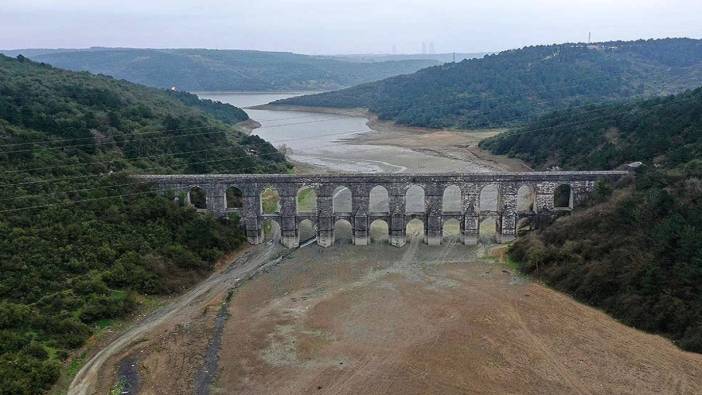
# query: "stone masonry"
[[541, 184]]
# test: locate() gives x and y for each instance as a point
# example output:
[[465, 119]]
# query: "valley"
[[294, 198], [337, 140], [381, 319]]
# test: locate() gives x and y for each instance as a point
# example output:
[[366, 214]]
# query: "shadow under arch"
[[379, 200], [342, 200], [414, 230], [306, 231], [197, 198], [343, 232], [452, 200], [379, 231]]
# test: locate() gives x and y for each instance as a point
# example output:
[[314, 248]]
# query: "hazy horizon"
[[338, 27]]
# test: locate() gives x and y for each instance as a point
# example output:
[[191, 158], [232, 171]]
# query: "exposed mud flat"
[[415, 320], [439, 145]]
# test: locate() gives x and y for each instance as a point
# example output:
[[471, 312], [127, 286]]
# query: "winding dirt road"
[[251, 261]]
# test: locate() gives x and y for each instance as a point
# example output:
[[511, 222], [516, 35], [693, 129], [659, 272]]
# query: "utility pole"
[[589, 37]]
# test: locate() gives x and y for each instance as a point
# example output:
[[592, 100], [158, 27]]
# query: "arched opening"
[[452, 201], [235, 199], [307, 231], [270, 201], [488, 230], [563, 197], [197, 198], [488, 198], [525, 199], [341, 200], [343, 232], [414, 200], [306, 200], [415, 229], [271, 230], [379, 200], [451, 230], [379, 231]]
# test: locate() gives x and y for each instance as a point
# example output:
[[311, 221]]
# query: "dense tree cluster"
[[515, 86], [79, 239], [637, 255], [225, 70]]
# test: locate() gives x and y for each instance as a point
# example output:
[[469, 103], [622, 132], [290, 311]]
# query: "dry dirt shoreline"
[[448, 143], [347, 320]]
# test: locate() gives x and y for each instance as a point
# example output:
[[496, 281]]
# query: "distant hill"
[[638, 253], [81, 243], [438, 57], [513, 86], [222, 70]]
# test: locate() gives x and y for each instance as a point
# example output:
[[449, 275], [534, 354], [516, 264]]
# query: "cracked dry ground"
[[421, 320]]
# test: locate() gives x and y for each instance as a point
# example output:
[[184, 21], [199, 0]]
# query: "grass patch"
[[307, 201], [270, 201]]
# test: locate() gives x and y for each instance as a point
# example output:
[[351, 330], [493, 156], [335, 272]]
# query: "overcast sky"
[[340, 26]]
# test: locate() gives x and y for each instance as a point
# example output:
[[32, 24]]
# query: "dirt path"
[[89, 377]]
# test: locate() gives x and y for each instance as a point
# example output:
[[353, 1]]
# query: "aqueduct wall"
[[542, 184]]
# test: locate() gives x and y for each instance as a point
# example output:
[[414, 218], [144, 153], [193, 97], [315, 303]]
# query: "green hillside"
[[638, 253], [224, 70], [80, 242], [514, 86]]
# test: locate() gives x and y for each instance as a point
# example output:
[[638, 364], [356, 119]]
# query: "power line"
[[520, 131], [433, 106], [228, 158]]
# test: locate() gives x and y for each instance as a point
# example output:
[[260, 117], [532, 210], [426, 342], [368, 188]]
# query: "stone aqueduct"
[[542, 186]]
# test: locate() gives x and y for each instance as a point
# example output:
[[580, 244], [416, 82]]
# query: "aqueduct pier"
[[468, 189]]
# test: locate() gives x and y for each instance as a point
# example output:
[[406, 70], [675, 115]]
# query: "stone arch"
[[306, 200], [526, 200], [563, 196], [488, 197], [379, 200], [379, 231], [306, 230], [270, 201], [487, 232], [234, 198], [415, 229], [343, 232], [197, 197], [271, 230], [451, 229], [415, 199], [452, 200], [342, 200]]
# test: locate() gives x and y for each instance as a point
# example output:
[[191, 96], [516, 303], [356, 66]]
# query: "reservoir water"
[[317, 139]]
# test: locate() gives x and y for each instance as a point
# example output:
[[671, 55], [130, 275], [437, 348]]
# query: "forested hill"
[[80, 242], [636, 254], [513, 86], [663, 131], [222, 70]]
